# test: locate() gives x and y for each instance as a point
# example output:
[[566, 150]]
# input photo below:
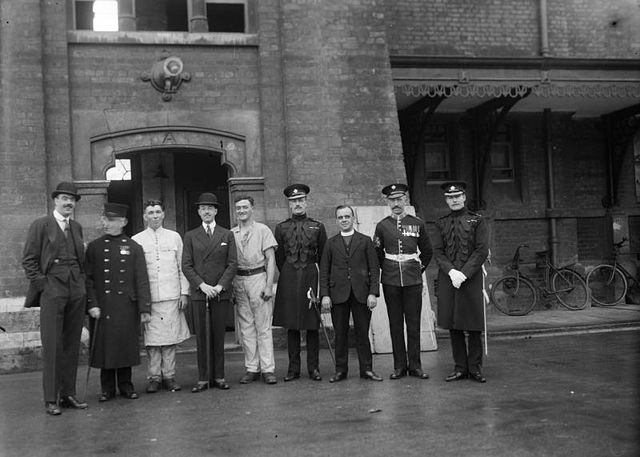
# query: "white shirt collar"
[[349, 233], [59, 217], [212, 225]]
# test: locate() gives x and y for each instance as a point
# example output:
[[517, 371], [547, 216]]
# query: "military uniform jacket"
[[461, 243], [405, 236], [300, 243], [118, 284]]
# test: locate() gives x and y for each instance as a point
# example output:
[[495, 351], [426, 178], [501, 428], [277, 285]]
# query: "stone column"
[[126, 16], [198, 16], [93, 195]]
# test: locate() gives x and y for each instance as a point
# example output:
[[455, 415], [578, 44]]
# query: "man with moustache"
[[169, 297], [460, 248], [349, 284], [252, 290], [53, 262], [209, 262], [300, 243], [118, 300], [404, 251]]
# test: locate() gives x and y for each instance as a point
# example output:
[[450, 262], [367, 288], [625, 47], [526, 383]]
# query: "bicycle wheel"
[[513, 296], [607, 284], [570, 289]]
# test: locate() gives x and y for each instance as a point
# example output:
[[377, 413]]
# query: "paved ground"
[[554, 395]]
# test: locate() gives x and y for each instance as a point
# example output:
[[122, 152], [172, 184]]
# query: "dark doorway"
[[196, 173]]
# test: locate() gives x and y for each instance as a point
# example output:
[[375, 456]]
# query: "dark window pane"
[[225, 17], [84, 15], [177, 16]]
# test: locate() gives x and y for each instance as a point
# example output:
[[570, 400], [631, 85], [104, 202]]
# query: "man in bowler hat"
[[404, 251], [118, 300], [300, 243], [460, 248], [209, 262], [53, 261]]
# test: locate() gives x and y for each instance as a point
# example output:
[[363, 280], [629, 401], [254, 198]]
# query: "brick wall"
[[510, 28], [23, 172]]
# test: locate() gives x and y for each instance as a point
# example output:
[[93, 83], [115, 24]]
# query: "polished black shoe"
[[456, 376], [220, 383], [201, 386], [52, 409], [69, 401], [153, 386], [269, 378], [477, 376], [314, 375], [291, 376], [418, 373], [339, 376], [130, 394], [249, 377], [397, 374], [105, 396], [371, 375], [171, 385]]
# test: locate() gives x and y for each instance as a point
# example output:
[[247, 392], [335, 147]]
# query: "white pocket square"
[[223, 244]]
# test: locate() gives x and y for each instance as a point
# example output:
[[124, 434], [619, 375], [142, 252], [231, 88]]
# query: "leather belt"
[[402, 257], [251, 272]]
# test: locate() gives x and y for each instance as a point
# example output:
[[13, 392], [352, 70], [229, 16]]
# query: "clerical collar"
[[349, 233]]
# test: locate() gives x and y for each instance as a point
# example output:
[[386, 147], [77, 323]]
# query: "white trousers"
[[162, 362], [254, 320]]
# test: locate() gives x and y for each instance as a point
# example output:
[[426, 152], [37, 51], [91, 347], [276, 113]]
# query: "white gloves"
[[457, 278]]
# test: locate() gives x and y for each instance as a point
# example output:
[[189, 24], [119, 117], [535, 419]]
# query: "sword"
[[485, 302], [314, 302], [91, 351]]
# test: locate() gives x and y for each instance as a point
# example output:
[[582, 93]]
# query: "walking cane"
[[313, 301], [91, 351], [485, 302], [208, 338]]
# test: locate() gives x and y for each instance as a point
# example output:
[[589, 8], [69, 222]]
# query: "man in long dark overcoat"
[[118, 299], [53, 263], [300, 244], [460, 248]]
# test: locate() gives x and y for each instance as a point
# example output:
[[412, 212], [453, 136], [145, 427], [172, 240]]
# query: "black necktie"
[[209, 233], [66, 228]]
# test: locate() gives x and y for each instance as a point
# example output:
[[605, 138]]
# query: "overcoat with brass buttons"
[[118, 284]]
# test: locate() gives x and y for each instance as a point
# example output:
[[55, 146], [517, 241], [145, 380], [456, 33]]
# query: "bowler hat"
[[207, 198], [115, 210], [296, 191], [395, 190], [453, 188], [66, 188]]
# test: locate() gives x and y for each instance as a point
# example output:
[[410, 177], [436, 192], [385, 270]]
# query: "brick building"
[[534, 103]]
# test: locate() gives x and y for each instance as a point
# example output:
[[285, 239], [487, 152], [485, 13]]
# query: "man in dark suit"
[[53, 262], [349, 284], [118, 296], [209, 262]]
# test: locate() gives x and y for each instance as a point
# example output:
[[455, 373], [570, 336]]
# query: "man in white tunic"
[[253, 290], [169, 297]]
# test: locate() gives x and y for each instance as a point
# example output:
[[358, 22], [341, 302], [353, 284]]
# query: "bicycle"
[[609, 283], [516, 295]]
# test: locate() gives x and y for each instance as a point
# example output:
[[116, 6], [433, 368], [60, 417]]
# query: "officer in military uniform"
[[300, 244], [118, 299], [404, 251], [460, 249]]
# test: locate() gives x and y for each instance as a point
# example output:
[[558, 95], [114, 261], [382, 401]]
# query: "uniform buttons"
[[121, 281], [106, 270], [106, 240], [121, 260], [107, 291], [106, 260], [119, 292], [106, 249], [108, 317], [107, 281]]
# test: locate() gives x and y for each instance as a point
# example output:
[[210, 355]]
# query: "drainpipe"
[[551, 197], [544, 32]]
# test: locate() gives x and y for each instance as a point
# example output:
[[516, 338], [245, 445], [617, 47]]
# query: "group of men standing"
[[122, 282]]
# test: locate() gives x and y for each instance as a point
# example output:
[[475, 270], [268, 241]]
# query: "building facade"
[[534, 103]]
